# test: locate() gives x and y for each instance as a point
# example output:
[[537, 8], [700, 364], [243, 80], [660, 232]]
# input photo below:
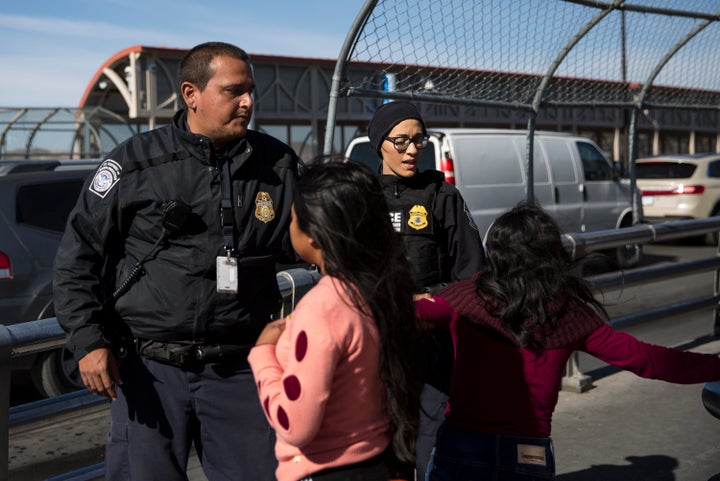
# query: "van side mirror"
[[618, 169]]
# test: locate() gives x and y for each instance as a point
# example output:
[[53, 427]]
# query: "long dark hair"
[[342, 207], [531, 273]]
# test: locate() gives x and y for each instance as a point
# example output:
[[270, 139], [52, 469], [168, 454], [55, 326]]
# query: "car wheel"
[[56, 372], [628, 256], [711, 398], [711, 239]]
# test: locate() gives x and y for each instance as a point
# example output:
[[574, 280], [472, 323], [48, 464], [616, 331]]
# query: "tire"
[[55, 372], [628, 256], [711, 239]]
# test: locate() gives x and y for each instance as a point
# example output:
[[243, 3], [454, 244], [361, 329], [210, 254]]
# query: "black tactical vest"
[[411, 203]]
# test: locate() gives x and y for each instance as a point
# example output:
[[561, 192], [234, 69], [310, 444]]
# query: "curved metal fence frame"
[[636, 97], [46, 133]]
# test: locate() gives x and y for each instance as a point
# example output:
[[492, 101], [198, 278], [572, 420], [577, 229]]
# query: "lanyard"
[[226, 205]]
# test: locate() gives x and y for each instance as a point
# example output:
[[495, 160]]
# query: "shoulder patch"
[[105, 178], [471, 221]]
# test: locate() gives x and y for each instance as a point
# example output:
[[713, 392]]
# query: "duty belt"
[[186, 354]]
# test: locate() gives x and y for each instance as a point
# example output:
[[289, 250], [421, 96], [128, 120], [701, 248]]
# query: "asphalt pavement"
[[624, 428]]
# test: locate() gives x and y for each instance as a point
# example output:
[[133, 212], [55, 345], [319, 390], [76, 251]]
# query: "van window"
[[594, 164], [363, 153], [488, 161], [561, 162], [33, 209]]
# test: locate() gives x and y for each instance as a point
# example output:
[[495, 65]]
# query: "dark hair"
[[531, 273], [342, 207], [195, 65]]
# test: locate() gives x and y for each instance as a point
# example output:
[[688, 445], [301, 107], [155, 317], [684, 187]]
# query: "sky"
[[50, 49]]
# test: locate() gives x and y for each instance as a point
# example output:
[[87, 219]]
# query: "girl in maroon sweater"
[[514, 327]]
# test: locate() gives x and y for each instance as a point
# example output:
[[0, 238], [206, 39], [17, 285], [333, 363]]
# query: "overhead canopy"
[[137, 83]]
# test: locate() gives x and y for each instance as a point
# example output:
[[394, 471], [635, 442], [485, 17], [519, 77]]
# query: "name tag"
[[530, 454]]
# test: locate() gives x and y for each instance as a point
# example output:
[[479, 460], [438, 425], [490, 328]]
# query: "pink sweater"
[[320, 386], [499, 387]]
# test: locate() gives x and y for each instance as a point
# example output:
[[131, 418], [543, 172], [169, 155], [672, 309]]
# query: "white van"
[[573, 178]]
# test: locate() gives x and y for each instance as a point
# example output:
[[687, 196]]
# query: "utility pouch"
[[176, 354], [186, 354]]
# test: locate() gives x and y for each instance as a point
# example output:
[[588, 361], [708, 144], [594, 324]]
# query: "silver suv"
[[35, 200]]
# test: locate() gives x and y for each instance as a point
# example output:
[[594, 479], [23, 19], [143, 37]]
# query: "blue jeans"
[[432, 415], [466, 455], [373, 469]]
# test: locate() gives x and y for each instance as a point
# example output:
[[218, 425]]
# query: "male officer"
[[166, 275]]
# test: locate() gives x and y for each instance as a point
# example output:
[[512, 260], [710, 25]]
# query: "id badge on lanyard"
[[227, 266], [227, 274]]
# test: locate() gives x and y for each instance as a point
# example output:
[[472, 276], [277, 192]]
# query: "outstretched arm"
[[652, 361]]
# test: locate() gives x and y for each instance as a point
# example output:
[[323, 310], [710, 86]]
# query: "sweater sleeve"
[[651, 361], [294, 394], [435, 311]]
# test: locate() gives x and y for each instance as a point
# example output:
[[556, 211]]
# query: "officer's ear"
[[189, 91]]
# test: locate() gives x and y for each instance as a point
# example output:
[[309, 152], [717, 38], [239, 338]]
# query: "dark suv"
[[35, 200]]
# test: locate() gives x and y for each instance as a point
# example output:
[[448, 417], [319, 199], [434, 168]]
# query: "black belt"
[[185, 354]]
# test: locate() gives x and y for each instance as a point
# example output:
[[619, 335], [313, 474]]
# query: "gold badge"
[[264, 207], [418, 217]]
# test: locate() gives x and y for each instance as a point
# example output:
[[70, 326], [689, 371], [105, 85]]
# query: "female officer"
[[441, 240]]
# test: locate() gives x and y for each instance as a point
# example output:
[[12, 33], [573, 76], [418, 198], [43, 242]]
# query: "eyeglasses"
[[402, 142]]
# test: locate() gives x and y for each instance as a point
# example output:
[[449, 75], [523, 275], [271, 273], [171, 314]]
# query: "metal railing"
[[45, 334], [581, 244]]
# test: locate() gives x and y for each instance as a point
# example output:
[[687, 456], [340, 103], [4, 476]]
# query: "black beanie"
[[388, 116]]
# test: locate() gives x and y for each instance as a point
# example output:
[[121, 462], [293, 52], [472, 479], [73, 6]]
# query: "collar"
[[180, 121]]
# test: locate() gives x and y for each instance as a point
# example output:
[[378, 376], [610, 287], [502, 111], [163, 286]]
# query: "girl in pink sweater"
[[338, 378]]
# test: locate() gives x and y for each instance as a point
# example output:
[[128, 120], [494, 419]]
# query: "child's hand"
[[271, 333], [424, 295]]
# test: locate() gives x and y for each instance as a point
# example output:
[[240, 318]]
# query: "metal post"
[[574, 380], [530, 159], [716, 288], [5, 355], [632, 154]]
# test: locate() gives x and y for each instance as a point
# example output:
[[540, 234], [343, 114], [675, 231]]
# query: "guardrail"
[[582, 244], [45, 334]]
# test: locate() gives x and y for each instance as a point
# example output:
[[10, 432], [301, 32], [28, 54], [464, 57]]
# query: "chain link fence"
[[530, 55]]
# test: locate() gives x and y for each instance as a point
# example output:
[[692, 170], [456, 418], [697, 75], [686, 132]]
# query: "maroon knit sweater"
[[499, 387], [575, 319]]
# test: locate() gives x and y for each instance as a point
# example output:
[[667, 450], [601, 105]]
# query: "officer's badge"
[[264, 207], [418, 217]]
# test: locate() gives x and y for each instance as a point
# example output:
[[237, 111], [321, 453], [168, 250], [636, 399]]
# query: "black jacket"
[[118, 219], [451, 236], [442, 244]]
